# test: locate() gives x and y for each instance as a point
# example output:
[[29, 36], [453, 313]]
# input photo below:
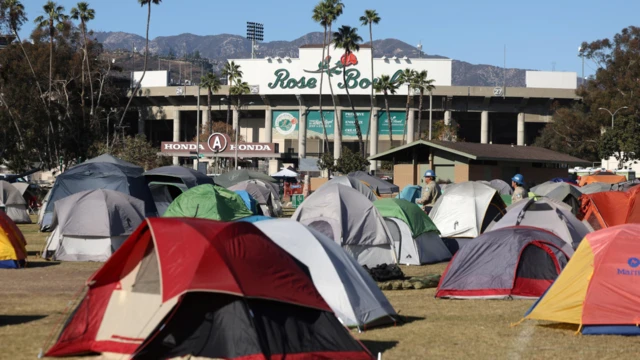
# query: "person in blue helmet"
[[430, 191], [519, 193]]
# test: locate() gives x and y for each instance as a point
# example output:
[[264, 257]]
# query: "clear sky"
[[536, 33]]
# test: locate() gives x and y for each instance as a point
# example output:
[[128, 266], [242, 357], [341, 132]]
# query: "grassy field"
[[33, 300]]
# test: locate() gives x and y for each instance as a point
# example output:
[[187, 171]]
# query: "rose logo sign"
[[285, 123], [349, 59]]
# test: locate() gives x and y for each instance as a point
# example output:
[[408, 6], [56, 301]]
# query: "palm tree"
[[54, 18], [385, 86], [12, 11], [146, 53], [347, 38], [421, 83], [321, 14], [335, 8], [85, 14], [407, 77], [239, 89], [211, 82], [232, 72], [370, 18]]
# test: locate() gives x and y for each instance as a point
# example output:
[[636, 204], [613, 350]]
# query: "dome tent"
[[91, 225], [544, 214], [14, 204], [378, 185], [262, 193], [410, 193], [169, 285], [562, 191], [168, 182], [208, 202], [416, 239], [13, 246], [513, 262], [233, 177], [343, 283], [466, 209], [598, 289], [500, 185], [348, 218], [102, 172], [353, 183]]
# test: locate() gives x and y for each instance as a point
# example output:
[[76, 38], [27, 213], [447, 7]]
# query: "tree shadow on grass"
[[6, 320], [41, 264], [378, 346]]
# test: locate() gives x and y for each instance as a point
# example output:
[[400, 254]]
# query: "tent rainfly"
[[13, 203], [354, 183]]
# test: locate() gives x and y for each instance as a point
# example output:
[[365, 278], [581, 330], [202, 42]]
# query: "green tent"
[[418, 221], [233, 177], [507, 198], [208, 202]]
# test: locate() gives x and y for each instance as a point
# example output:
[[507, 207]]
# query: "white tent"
[[91, 225], [426, 248], [353, 183], [466, 209], [346, 287], [285, 173], [13, 203], [351, 220]]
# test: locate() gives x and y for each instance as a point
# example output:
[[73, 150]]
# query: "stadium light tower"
[[255, 33]]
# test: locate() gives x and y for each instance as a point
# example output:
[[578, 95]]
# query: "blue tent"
[[255, 218], [410, 193], [567, 180], [251, 203]]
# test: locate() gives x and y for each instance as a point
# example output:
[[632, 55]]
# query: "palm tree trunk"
[[337, 126], [371, 118], [324, 127], [386, 105], [355, 115], [144, 69], [209, 109], [229, 103], [420, 114], [50, 58], [82, 104], [24, 51], [86, 56], [406, 115]]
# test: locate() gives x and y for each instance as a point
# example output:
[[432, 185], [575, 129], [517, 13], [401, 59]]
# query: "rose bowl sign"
[[217, 144]]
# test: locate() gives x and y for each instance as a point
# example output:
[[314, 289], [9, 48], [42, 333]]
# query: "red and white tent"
[[177, 284]]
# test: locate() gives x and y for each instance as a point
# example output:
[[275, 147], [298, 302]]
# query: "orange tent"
[[610, 208], [607, 178]]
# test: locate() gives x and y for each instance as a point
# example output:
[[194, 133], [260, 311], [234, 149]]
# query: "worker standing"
[[519, 192], [430, 192]]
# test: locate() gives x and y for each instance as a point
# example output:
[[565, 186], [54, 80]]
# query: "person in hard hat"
[[519, 193], [430, 192]]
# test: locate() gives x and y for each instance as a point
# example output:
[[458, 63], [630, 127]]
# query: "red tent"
[[173, 276], [610, 208]]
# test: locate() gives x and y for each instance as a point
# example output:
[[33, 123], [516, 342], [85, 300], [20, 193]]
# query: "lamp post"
[[613, 115], [236, 134], [430, 112], [582, 56], [255, 33]]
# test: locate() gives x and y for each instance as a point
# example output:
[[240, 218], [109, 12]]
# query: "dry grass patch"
[[32, 301]]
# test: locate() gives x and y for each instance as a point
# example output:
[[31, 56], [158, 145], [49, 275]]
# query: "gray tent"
[[350, 219], [561, 191], [14, 204], [91, 225], [466, 209], [500, 185], [596, 187], [346, 287], [263, 194], [513, 262], [113, 174], [177, 174], [379, 185], [235, 176], [353, 183], [168, 182], [544, 214]]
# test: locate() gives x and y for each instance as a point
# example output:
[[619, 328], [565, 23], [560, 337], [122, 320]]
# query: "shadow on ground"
[[6, 320], [41, 264], [378, 346], [561, 326]]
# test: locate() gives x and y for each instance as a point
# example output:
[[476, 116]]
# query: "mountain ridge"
[[218, 48]]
